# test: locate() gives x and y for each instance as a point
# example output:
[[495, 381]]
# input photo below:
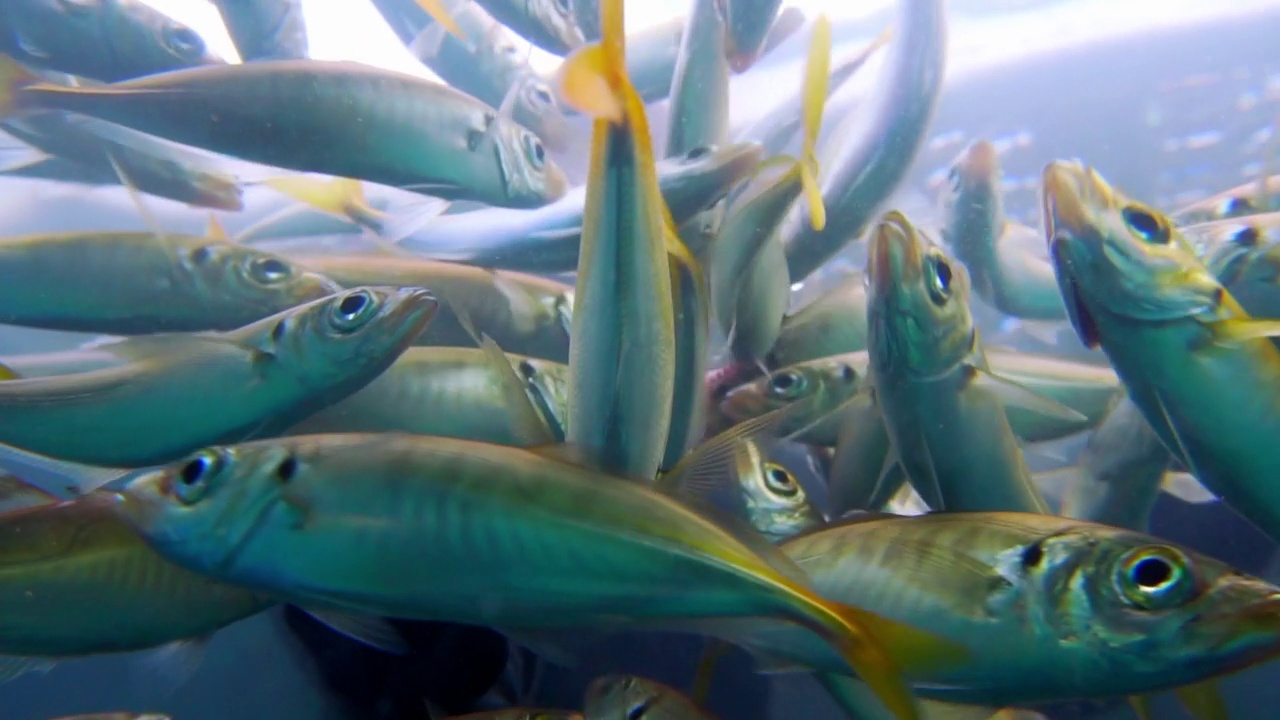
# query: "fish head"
[[548, 386], [776, 503], [1115, 257], [557, 18], [532, 178], [779, 389], [747, 24], [201, 511], [972, 190], [625, 696], [537, 109], [352, 336], [1172, 615], [154, 41], [918, 317], [696, 180], [214, 190], [260, 280], [1252, 277]]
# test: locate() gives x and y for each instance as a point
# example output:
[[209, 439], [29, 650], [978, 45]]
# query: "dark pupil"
[[185, 39], [352, 304], [784, 381], [538, 152], [637, 711], [1143, 221], [277, 332], [1248, 237], [542, 95], [953, 177], [847, 374], [1239, 205], [527, 369], [698, 152], [201, 255], [1032, 555], [778, 476], [272, 267], [287, 469], [193, 470], [1151, 572], [944, 275]]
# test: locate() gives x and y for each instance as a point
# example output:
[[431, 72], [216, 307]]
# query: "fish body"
[[928, 365], [333, 118], [265, 29], [445, 391], [547, 239], [101, 153], [136, 283], [225, 386], [548, 24], [1007, 277], [109, 41], [835, 323], [524, 314], [749, 22], [76, 580], [1133, 286], [1053, 608]]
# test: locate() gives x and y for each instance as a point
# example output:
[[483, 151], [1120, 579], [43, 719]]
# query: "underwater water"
[[418, 359]]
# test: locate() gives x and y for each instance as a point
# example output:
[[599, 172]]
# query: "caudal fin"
[[13, 78]]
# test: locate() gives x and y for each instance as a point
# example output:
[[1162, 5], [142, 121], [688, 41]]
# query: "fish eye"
[[201, 255], [848, 374], [527, 370], [269, 270], [183, 41], [939, 276], [542, 95], [277, 332], [287, 469], [1156, 577], [1146, 225], [699, 152], [193, 477], [535, 152], [351, 312], [1247, 236], [70, 6], [953, 178], [1239, 206], [786, 384], [780, 480], [562, 6], [638, 708]]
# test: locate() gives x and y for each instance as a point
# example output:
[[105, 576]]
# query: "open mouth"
[[1077, 312]]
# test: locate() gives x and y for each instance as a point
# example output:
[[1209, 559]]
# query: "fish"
[[748, 280], [622, 367], [482, 60], [629, 697], [942, 405], [265, 29], [834, 323], [547, 240], [1052, 608], [871, 150], [827, 383], [1004, 274], [106, 41], [524, 314], [215, 387], [1210, 239], [1134, 287], [593, 550], [117, 716], [281, 120], [100, 153], [522, 714], [548, 24], [1257, 196], [75, 580], [449, 392], [748, 24], [699, 114], [127, 283]]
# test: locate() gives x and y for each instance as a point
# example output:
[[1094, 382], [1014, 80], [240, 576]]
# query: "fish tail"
[[14, 78]]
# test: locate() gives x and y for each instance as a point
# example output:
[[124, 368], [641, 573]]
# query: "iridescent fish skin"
[[1258, 196], [76, 580], [629, 697], [265, 29], [835, 323], [128, 283], [216, 387], [1133, 286], [1003, 272], [106, 40], [502, 536], [366, 125], [1052, 608]]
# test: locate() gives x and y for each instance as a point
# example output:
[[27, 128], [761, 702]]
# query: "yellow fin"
[[583, 83], [13, 78], [1237, 330], [1203, 700], [1142, 707], [8, 373], [216, 231], [817, 71], [339, 196], [438, 12]]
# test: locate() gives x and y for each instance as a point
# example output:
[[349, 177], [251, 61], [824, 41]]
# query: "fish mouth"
[[895, 256], [1066, 218], [1253, 630], [980, 160], [414, 308], [556, 182]]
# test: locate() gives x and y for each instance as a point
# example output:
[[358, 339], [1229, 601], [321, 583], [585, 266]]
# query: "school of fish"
[[404, 349]]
